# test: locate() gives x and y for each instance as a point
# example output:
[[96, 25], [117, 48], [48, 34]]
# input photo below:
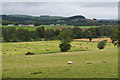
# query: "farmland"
[[31, 28], [88, 60], [95, 39]]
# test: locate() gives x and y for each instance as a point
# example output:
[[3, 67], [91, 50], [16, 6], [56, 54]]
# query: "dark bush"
[[29, 53], [90, 39], [64, 47], [115, 44], [101, 44]]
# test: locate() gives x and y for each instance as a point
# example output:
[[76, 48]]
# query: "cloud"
[[88, 9]]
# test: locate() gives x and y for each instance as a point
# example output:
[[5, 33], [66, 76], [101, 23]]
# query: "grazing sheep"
[[6, 50], [4, 53], [80, 47], [86, 47], [70, 62], [27, 44], [103, 61], [28, 48], [76, 54], [80, 44], [47, 49], [36, 48], [73, 46]]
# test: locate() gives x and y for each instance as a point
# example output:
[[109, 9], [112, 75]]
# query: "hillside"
[[77, 20]]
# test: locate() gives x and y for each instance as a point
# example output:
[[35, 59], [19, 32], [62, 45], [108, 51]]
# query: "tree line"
[[11, 34]]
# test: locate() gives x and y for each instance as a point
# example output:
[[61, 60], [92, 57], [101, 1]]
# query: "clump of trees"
[[101, 44], [65, 37], [115, 36], [11, 34]]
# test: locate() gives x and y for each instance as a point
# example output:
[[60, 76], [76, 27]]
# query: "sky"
[[98, 10]]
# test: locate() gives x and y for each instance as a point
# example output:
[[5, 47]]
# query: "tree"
[[34, 35], [101, 44], [57, 32], [10, 34], [23, 35], [77, 33], [115, 36], [75, 29], [65, 37], [90, 35], [49, 34], [40, 32]]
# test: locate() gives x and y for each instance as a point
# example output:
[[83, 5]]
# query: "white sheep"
[[70, 62]]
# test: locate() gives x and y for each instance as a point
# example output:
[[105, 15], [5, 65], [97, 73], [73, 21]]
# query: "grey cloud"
[[88, 9]]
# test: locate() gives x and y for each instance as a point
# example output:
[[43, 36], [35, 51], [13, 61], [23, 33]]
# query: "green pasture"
[[31, 28], [87, 63], [67, 26]]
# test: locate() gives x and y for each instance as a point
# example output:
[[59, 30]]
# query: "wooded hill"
[[77, 20]]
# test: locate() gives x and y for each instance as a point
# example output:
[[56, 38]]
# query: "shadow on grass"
[[60, 52]]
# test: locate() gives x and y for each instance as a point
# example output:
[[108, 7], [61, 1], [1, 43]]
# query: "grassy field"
[[67, 26], [95, 39], [31, 28], [87, 63]]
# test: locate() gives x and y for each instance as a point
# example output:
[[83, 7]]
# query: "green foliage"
[[101, 44], [90, 38], [118, 27], [23, 35], [57, 32], [34, 35], [40, 31], [77, 33], [65, 36], [116, 43], [115, 36], [49, 34], [9, 34], [64, 47], [90, 35]]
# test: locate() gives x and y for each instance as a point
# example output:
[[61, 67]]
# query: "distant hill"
[[77, 20], [75, 17]]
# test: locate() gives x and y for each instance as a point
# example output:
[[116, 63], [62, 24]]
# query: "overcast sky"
[[99, 10]]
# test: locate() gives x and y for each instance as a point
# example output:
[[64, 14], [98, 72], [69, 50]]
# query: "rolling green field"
[[87, 63], [31, 28]]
